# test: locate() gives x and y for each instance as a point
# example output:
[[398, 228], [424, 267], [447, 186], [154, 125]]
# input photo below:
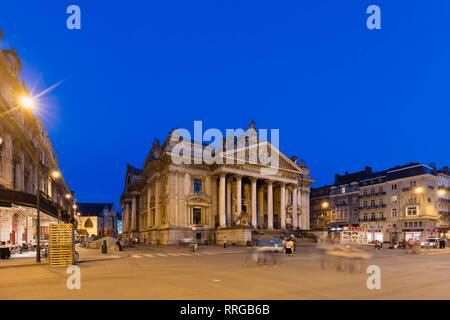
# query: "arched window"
[[88, 223]]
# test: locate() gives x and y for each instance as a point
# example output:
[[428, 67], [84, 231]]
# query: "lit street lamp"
[[27, 102]]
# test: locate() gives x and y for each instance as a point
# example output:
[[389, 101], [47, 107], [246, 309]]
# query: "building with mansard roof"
[[403, 202], [165, 202]]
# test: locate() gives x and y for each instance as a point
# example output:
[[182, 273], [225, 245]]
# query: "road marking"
[[172, 254], [161, 255], [185, 254], [149, 255], [136, 256]]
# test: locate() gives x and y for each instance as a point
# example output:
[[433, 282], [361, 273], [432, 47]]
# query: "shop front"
[[18, 225], [375, 235], [349, 235], [415, 234]]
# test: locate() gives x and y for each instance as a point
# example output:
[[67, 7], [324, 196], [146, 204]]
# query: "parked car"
[[270, 244], [432, 242]]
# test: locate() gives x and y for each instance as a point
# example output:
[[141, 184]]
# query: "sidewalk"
[[86, 255]]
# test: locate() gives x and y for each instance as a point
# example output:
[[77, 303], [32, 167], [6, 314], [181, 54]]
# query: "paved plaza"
[[217, 273]]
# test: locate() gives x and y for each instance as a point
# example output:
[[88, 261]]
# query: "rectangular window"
[[411, 211], [380, 189], [394, 213], [365, 204], [372, 216], [197, 186], [372, 203], [197, 216], [420, 223], [412, 184], [394, 187]]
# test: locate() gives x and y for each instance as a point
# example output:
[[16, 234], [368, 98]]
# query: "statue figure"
[[155, 152], [242, 218]]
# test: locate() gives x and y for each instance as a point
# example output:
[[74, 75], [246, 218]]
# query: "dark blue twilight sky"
[[342, 96]]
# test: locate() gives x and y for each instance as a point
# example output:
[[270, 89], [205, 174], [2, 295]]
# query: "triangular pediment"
[[242, 157]]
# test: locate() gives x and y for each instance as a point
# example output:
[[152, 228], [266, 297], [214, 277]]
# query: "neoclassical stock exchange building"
[[165, 202]]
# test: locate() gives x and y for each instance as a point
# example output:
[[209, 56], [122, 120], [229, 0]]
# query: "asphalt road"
[[217, 273]]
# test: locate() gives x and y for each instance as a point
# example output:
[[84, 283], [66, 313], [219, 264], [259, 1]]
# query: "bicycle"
[[44, 253], [75, 256]]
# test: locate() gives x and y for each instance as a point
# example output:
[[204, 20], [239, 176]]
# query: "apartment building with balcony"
[[403, 202], [336, 206]]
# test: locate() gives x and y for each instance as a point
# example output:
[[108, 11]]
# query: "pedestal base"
[[237, 235]]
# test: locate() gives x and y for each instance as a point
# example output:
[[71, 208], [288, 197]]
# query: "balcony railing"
[[338, 191], [374, 206], [372, 219], [375, 194], [8, 197]]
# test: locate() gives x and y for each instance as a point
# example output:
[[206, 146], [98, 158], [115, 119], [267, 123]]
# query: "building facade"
[[409, 201], [337, 205], [25, 145], [96, 219], [165, 202]]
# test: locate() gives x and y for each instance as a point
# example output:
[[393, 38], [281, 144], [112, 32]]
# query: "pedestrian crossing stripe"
[[173, 254], [185, 254], [149, 255], [161, 255], [136, 256]]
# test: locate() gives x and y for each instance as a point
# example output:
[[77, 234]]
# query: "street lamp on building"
[[325, 205], [28, 102], [56, 174], [442, 192]]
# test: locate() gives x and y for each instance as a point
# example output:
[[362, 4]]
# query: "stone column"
[[229, 207], [261, 208], [126, 218], [222, 217], [254, 212], [238, 195], [133, 213], [157, 208], [294, 206], [269, 205], [149, 210], [283, 206]]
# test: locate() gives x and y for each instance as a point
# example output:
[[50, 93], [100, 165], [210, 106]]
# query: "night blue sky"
[[342, 96]]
